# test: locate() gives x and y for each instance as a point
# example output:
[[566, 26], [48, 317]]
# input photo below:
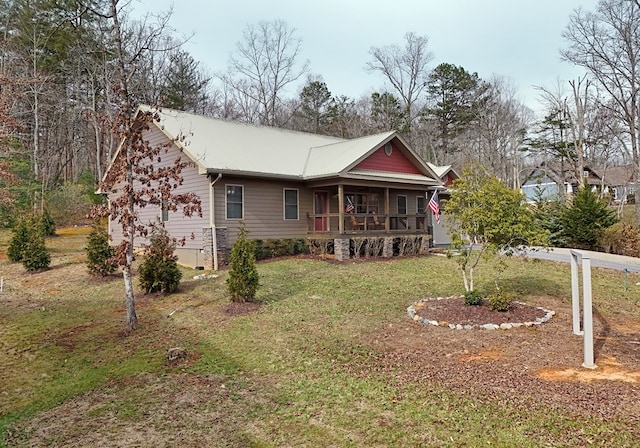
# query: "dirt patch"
[[608, 369], [233, 309]]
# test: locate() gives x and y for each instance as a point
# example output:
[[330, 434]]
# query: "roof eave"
[[261, 175]]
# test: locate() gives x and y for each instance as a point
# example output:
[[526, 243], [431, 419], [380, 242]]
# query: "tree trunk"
[[464, 279], [132, 318]]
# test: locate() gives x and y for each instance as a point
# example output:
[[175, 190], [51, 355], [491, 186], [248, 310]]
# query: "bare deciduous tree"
[[133, 180], [264, 65], [606, 42], [405, 68]]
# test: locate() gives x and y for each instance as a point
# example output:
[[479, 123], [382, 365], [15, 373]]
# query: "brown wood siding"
[[412, 203], [397, 162], [263, 209], [178, 225]]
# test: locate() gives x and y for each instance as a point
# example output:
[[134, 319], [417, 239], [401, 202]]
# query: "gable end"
[[392, 161]]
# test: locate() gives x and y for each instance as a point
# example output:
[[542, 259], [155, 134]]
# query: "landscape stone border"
[[411, 312]]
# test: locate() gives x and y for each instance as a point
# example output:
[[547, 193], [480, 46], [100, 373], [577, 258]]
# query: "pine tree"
[[585, 219]]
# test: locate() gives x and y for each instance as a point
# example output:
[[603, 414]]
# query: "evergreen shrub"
[[35, 255], [500, 301], [159, 270], [473, 298], [243, 279], [19, 239], [99, 253]]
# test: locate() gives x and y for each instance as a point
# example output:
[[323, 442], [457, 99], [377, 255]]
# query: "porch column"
[[387, 209], [340, 209]]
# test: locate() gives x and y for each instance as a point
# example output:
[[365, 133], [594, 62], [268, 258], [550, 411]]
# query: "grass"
[[296, 373]]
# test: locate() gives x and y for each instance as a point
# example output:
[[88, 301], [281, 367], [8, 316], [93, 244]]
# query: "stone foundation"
[[341, 248]]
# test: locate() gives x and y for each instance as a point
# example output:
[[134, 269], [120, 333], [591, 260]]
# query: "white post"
[[587, 305], [587, 310], [575, 294]]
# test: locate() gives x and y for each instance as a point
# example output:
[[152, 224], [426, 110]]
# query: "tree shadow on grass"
[[521, 286]]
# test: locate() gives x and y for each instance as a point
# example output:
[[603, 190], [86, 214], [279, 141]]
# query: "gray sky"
[[516, 39]]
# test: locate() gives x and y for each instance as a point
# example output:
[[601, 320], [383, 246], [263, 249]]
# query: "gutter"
[[212, 222]]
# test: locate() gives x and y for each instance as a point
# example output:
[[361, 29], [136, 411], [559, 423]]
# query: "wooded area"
[[59, 65]]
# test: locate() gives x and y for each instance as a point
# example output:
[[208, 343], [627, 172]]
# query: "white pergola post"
[[575, 295], [587, 305]]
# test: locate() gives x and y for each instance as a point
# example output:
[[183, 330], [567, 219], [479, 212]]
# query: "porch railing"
[[362, 223]]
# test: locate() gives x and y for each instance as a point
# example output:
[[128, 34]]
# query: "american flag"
[[349, 208], [434, 206]]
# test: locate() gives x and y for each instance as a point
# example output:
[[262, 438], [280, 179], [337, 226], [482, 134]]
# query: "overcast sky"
[[519, 40]]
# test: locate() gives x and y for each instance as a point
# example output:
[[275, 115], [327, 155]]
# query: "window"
[[402, 205], [420, 202], [165, 211], [362, 202], [290, 203], [235, 201], [585, 173]]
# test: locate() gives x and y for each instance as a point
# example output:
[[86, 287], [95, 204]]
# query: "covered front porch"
[[363, 210]]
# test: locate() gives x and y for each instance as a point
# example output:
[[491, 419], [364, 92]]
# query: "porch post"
[[387, 209], [340, 209]]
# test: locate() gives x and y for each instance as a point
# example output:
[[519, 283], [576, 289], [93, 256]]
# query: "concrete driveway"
[[598, 259]]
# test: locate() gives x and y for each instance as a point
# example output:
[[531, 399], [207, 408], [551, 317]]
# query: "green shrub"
[[271, 248], [243, 279], [35, 255], [548, 215], [500, 301], [19, 239], [473, 298], [159, 270], [586, 218], [46, 224], [99, 254]]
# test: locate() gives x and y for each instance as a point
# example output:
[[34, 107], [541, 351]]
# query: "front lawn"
[[329, 358]]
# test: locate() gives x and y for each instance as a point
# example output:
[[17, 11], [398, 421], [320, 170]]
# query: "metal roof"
[[225, 146]]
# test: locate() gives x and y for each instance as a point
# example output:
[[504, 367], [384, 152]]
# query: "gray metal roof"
[[220, 145]]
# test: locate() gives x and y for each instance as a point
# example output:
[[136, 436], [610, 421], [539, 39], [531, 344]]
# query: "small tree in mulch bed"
[[488, 218], [243, 275]]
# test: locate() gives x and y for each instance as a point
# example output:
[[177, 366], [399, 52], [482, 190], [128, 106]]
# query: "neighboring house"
[[286, 184], [551, 181], [619, 182], [441, 231]]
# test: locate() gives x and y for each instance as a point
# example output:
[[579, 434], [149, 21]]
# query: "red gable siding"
[[397, 162], [448, 180]]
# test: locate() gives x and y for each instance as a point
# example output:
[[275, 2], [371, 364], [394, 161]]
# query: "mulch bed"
[[453, 310]]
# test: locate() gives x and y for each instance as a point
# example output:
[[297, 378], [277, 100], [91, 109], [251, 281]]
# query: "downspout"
[[212, 222]]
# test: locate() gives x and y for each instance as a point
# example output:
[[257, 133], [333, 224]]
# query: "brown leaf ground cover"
[[537, 366]]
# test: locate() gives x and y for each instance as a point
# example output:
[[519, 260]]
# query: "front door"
[[320, 201]]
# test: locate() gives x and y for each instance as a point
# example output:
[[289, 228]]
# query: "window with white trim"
[[234, 201], [420, 204], [290, 198]]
